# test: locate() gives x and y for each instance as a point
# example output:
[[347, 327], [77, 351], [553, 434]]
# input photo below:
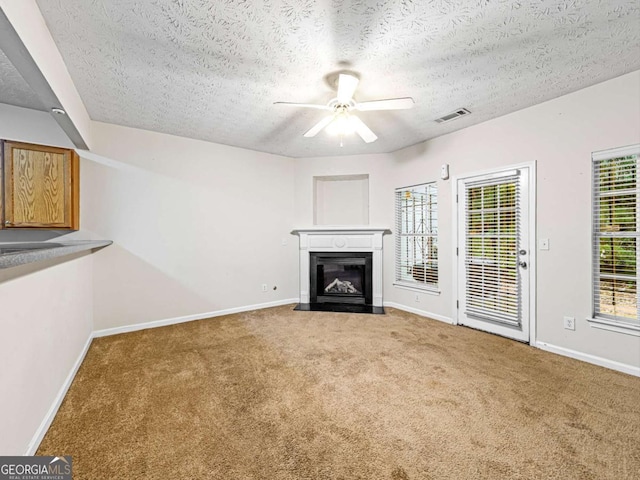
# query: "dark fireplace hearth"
[[341, 282]]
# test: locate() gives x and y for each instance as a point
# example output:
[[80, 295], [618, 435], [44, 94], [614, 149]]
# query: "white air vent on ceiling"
[[461, 112]]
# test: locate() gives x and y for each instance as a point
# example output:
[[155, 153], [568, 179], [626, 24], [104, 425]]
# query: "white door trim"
[[532, 233]]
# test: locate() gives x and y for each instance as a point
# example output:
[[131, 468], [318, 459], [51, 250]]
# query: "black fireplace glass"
[[341, 277]]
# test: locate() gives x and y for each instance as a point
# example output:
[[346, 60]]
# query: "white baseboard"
[[585, 357], [422, 313], [189, 318], [48, 418]]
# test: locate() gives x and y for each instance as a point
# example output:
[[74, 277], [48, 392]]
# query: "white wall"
[[197, 227], [46, 311], [559, 136], [45, 321]]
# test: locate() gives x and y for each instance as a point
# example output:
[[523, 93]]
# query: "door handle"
[[522, 263]]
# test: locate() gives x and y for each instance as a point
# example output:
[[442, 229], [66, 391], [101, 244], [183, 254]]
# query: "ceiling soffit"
[[14, 90]]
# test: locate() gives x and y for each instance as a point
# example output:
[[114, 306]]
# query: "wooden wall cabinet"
[[41, 187]]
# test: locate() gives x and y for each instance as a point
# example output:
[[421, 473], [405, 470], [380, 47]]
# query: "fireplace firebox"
[[341, 277]]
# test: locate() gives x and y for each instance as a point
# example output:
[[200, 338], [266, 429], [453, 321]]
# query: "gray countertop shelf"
[[14, 254]]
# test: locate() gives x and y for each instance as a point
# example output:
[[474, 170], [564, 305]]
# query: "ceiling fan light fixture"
[[342, 124]]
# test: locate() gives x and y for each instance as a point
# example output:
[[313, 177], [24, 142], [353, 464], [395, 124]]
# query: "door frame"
[[533, 239]]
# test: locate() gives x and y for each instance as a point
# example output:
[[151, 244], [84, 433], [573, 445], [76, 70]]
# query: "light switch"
[[543, 244]]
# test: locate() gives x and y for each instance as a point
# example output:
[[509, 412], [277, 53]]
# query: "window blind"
[[492, 213], [616, 195], [416, 212]]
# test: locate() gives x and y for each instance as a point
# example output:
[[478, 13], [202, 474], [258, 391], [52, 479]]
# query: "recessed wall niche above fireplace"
[[341, 269]]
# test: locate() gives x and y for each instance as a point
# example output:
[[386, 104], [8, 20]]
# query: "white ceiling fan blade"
[[313, 131], [346, 87], [361, 129], [387, 104], [305, 105]]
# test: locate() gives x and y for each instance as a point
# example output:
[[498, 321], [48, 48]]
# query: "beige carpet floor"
[[278, 394]]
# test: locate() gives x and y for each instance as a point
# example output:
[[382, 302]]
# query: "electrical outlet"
[[569, 323], [264, 287], [417, 298]]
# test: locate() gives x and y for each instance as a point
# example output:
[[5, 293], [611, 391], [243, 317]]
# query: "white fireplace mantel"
[[341, 239]]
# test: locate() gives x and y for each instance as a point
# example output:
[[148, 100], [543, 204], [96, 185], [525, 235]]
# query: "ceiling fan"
[[342, 121]]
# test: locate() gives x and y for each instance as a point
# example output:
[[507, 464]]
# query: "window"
[[417, 236], [616, 195]]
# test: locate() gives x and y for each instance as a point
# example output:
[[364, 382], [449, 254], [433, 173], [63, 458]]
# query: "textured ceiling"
[[211, 69], [13, 89]]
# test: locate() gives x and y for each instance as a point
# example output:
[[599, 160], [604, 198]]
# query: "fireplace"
[[340, 277], [341, 269]]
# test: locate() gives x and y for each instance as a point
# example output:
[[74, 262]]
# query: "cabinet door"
[[40, 187]]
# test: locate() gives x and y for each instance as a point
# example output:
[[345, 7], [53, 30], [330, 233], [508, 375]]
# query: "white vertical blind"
[[616, 195], [492, 238], [417, 236]]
